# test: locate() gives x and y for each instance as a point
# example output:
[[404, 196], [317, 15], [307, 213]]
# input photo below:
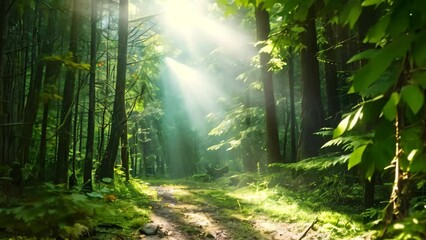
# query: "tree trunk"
[[331, 80], [366, 20], [31, 105], [51, 73], [73, 178], [293, 129], [312, 108], [118, 116], [88, 158], [68, 98], [249, 161], [272, 141], [4, 25], [125, 152]]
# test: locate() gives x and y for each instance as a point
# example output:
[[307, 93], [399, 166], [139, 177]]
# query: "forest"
[[212, 119]]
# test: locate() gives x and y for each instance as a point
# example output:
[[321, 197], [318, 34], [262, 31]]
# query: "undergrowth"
[[113, 209], [51, 211]]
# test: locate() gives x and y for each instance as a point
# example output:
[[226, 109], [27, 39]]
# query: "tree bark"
[[331, 80], [272, 141], [51, 73], [249, 161], [293, 129], [312, 108], [125, 152], [88, 158], [31, 105], [118, 116], [68, 99]]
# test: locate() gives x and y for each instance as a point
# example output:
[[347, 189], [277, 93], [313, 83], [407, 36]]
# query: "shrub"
[[50, 211]]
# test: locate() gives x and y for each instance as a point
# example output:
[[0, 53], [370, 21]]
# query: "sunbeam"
[[197, 91], [188, 23]]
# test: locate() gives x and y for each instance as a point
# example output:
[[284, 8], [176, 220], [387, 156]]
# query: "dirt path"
[[183, 220]]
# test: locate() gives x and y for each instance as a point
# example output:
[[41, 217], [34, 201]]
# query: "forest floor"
[[238, 207], [186, 209], [188, 219]]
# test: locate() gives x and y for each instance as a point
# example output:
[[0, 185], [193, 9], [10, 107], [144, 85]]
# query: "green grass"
[[128, 211], [257, 198]]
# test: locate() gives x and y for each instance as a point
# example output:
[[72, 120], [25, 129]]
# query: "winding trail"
[[181, 220]]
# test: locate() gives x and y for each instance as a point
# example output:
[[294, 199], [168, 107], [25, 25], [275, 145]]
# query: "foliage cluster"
[[49, 211]]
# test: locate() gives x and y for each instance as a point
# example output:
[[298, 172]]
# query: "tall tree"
[[312, 108], [31, 105], [88, 158], [291, 82], [5, 7], [51, 73], [331, 79], [119, 113], [68, 98], [125, 152], [263, 29]]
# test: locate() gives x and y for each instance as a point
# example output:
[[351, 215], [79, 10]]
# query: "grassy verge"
[[253, 198]]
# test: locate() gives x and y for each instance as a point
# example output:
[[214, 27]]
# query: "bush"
[[202, 177], [50, 211]]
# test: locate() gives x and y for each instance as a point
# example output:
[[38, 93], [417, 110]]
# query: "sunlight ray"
[[189, 24], [196, 90]]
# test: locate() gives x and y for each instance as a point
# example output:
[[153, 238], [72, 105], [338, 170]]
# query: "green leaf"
[[367, 54], [341, 128], [389, 110], [419, 50], [378, 31], [420, 78], [413, 97], [371, 2], [380, 62], [418, 164], [356, 156], [301, 13], [400, 20], [107, 180], [370, 171], [351, 12], [95, 195], [355, 118]]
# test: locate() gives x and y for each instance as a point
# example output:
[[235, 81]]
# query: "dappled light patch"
[[267, 212]]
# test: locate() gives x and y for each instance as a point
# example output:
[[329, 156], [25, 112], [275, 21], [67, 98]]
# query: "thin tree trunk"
[[366, 20], [68, 98], [73, 178], [125, 152], [272, 141], [4, 25], [331, 80], [88, 160], [293, 129], [31, 105], [118, 116], [249, 161], [312, 108], [52, 70]]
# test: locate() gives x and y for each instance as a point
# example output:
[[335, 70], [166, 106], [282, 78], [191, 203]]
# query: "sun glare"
[[189, 21], [196, 89], [181, 16]]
